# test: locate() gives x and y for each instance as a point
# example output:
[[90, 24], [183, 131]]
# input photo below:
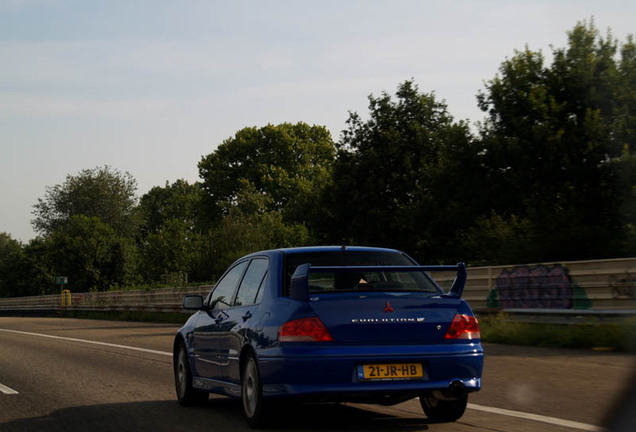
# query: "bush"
[[504, 329]]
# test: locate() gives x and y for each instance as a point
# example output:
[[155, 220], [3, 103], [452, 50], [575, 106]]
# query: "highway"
[[77, 375]]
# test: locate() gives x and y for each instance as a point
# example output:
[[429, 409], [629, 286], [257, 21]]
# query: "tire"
[[252, 395], [443, 411], [186, 394]]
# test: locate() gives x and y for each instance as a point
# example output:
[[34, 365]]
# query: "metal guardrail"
[[570, 292], [158, 300]]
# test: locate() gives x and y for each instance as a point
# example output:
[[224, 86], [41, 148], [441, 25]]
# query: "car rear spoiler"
[[299, 287]]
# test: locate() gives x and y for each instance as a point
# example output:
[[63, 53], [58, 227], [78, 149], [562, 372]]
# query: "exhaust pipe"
[[456, 390]]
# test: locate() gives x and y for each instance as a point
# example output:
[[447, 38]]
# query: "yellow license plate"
[[391, 371]]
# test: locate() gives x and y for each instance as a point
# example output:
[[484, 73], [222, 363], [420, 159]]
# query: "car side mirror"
[[193, 302]]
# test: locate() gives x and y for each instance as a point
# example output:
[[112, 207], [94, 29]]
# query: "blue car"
[[333, 324]]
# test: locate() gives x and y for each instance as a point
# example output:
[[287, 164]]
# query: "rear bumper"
[[307, 370]]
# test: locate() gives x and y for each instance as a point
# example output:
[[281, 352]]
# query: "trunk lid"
[[385, 318]]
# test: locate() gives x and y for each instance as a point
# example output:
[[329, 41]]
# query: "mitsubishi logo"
[[388, 307]]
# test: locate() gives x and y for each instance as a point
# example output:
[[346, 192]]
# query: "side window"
[[226, 287], [254, 278]]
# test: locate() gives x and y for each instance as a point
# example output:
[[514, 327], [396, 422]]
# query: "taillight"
[[463, 327], [304, 330]]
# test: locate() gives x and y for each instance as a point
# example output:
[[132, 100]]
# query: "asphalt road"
[[80, 375]]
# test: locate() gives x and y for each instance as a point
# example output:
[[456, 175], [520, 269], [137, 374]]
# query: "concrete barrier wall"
[[594, 285]]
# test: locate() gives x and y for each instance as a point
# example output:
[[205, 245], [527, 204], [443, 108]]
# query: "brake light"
[[304, 330], [463, 327]]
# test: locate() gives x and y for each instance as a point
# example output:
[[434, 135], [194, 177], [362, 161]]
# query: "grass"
[[497, 328], [502, 329]]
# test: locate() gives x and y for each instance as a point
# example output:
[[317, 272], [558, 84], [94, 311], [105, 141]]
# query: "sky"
[[149, 87]]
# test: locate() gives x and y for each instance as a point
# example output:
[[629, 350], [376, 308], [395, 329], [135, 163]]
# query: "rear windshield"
[[357, 280]]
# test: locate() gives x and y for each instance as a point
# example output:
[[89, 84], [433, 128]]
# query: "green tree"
[[104, 193], [91, 254], [551, 137], [626, 166], [25, 269], [11, 266], [288, 163], [39, 276], [177, 201], [170, 236], [250, 226], [168, 253], [405, 178], [625, 127]]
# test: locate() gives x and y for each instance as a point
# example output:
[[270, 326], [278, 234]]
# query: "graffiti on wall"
[[623, 287], [540, 287]]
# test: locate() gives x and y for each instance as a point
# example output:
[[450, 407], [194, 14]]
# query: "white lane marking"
[[6, 390], [144, 350], [501, 411], [536, 417]]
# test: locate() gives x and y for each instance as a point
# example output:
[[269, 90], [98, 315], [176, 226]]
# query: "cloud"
[[15, 104], [314, 87], [11, 5], [69, 61], [274, 60]]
